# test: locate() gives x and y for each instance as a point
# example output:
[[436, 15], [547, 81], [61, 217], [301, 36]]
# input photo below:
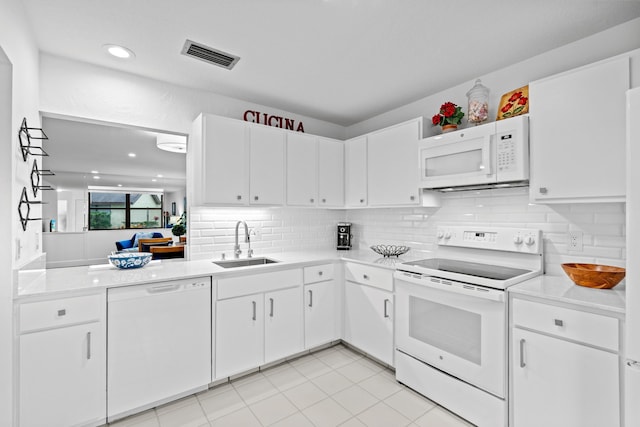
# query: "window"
[[112, 211]]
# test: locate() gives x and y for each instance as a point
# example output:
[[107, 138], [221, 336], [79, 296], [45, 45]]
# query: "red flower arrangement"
[[450, 114]]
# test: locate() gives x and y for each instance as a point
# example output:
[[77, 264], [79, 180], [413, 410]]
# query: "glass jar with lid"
[[478, 103]]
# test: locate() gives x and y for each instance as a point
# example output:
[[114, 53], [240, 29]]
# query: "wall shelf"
[[26, 135], [24, 209], [36, 173]]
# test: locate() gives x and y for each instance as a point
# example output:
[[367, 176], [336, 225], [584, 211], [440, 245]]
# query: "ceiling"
[[341, 61], [77, 148]]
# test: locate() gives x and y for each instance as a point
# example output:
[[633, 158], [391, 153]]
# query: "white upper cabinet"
[[236, 163], [218, 150], [330, 173], [302, 170], [356, 172], [577, 134], [266, 172], [393, 167]]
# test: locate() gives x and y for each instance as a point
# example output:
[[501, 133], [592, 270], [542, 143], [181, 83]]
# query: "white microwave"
[[485, 156]]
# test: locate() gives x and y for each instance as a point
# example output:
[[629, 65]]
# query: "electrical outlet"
[[257, 231], [574, 241]]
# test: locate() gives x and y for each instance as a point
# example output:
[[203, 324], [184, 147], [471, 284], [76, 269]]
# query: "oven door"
[[455, 327], [460, 158]]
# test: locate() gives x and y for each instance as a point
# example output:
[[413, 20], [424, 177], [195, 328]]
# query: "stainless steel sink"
[[233, 263]]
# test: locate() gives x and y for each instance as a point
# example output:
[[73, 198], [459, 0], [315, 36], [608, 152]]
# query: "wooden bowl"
[[594, 275]]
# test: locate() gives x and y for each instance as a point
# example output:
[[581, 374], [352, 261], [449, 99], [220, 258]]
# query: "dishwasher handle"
[[164, 288]]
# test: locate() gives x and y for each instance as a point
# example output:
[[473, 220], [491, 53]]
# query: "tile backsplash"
[[286, 229]]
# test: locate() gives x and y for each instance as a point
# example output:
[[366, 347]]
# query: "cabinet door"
[[302, 170], [330, 173], [368, 321], [320, 313], [561, 383], [283, 324], [239, 335], [393, 166], [356, 172], [224, 161], [63, 376], [266, 182], [577, 134]]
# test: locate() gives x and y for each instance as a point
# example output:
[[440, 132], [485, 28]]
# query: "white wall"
[[617, 40], [212, 230], [18, 99], [79, 89], [602, 224]]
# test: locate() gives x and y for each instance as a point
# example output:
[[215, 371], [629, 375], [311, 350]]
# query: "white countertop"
[[74, 280], [562, 289]]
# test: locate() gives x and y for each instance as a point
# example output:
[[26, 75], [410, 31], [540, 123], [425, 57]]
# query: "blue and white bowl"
[[130, 260]]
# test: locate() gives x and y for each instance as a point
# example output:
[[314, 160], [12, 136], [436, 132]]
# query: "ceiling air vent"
[[209, 54]]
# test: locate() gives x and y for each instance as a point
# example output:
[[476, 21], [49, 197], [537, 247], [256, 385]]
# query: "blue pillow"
[[141, 235]]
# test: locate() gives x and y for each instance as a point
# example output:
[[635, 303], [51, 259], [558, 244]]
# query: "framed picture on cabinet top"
[[514, 103]]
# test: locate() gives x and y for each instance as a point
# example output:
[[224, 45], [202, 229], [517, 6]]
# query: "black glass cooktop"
[[487, 271]]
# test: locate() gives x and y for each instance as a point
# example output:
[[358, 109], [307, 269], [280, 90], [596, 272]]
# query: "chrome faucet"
[[236, 248]]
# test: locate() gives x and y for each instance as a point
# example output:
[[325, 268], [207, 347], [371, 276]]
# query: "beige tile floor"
[[333, 387]]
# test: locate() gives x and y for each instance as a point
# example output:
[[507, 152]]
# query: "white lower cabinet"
[[283, 326], [321, 313], [258, 320], [239, 334], [62, 373], [562, 373], [368, 311]]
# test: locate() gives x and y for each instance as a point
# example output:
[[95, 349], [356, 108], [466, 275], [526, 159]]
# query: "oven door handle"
[[446, 285]]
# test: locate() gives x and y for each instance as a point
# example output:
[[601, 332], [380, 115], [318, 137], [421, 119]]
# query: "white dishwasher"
[[159, 343]]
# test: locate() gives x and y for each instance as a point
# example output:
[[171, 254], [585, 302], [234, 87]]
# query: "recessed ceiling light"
[[153, 180], [119, 51], [160, 175], [96, 177], [119, 185], [132, 154], [94, 172]]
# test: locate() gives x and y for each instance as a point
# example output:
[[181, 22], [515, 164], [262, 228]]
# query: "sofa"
[[131, 245]]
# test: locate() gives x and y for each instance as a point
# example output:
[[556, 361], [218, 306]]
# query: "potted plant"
[[180, 227], [449, 117]]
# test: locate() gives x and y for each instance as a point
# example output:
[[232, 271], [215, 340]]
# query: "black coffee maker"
[[344, 236]]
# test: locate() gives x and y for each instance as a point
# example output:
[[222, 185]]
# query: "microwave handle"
[[486, 154]]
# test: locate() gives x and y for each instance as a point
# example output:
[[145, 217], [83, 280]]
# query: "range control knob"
[[517, 240], [440, 234], [529, 240], [447, 235]]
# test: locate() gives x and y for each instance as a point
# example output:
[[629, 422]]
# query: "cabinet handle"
[[412, 198], [320, 273], [88, 345], [271, 307], [365, 277], [310, 298], [239, 197], [311, 200], [254, 310], [558, 322], [324, 200], [522, 363], [255, 197], [62, 312], [386, 314], [543, 190], [361, 200]]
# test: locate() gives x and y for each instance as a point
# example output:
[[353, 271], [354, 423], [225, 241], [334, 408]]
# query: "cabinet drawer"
[[318, 273], [60, 312], [245, 285], [367, 275], [590, 328]]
